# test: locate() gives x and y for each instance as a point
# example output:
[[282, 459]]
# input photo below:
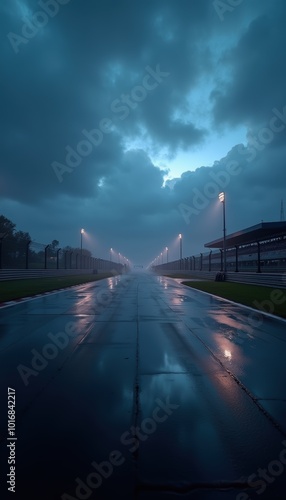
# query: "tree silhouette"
[[14, 243]]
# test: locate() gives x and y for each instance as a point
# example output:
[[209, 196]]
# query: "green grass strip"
[[16, 289], [263, 298], [181, 274]]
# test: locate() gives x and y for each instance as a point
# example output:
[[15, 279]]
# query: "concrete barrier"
[[274, 280], [16, 274]]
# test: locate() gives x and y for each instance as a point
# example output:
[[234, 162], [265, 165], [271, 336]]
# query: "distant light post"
[[181, 246], [167, 257], [222, 200], [110, 253], [81, 233]]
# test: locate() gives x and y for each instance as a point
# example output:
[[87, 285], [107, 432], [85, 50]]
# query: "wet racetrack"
[[138, 387]]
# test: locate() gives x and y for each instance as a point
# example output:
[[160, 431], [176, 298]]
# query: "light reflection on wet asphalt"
[[204, 388]]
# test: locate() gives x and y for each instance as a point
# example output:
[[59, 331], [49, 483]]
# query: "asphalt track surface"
[[138, 387]]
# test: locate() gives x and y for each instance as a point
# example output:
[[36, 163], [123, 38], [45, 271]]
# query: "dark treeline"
[[15, 243]]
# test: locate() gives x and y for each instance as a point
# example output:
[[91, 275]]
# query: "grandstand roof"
[[261, 232]]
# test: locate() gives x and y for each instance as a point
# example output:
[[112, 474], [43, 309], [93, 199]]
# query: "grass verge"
[[262, 298], [16, 289], [183, 276]]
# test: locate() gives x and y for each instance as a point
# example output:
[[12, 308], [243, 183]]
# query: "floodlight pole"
[[181, 246], [81, 233], [222, 200]]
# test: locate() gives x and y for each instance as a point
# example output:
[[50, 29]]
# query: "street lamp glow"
[[222, 200], [81, 233], [181, 248]]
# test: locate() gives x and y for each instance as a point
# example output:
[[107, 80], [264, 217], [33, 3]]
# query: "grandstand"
[[259, 248]]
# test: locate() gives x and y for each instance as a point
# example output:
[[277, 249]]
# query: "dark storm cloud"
[[257, 71], [89, 63], [67, 76], [254, 182]]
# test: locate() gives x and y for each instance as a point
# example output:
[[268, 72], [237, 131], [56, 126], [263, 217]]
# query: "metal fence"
[[245, 261], [33, 255]]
